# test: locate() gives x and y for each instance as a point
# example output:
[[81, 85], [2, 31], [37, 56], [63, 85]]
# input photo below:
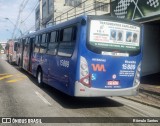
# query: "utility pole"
[[40, 9], [53, 14]]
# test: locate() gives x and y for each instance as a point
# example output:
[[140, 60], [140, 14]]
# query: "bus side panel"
[[58, 73], [80, 44], [74, 64], [62, 71], [35, 63], [44, 66]]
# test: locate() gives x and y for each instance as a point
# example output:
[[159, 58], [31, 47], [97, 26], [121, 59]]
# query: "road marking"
[[7, 76], [15, 80], [18, 77], [42, 98], [1, 75]]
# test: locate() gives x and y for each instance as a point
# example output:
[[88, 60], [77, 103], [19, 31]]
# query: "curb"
[[141, 90], [151, 94]]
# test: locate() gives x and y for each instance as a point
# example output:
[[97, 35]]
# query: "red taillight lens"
[[86, 81]]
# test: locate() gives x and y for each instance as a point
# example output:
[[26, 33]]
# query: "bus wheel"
[[10, 60], [19, 63], [40, 78]]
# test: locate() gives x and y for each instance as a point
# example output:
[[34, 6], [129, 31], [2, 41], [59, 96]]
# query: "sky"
[[10, 9]]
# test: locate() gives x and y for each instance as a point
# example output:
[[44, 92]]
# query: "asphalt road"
[[21, 97]]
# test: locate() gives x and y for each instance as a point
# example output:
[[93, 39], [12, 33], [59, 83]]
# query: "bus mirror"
[[83, 22]]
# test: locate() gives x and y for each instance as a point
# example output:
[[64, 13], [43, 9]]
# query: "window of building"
[[50, 6], [73, 3], [100, 6], [44, 10], [67, 41]]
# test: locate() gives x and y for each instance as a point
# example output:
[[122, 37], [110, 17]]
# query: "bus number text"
[[128, 66], [64, 63]]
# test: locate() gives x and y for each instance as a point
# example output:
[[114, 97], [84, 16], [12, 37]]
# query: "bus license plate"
[[112, 82]]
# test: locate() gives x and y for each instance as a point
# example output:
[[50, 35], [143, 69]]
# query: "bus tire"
[[19, 62], [40, 78], [10, 60], [19, 65]]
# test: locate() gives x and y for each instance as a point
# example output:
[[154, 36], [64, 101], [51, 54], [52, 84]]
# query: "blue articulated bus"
[[88, 56]]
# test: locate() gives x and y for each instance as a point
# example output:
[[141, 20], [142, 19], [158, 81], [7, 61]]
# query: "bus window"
[[67, 35], [16, 46], [53, 44], [67, 41], [53, 37], [33, 45], [37, 44], [43, 46], [25, 47]]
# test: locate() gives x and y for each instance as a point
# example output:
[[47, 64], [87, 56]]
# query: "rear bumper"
[[83, 91]]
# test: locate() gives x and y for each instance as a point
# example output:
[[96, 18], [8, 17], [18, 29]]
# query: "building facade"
[[50, 12], [147, 12]]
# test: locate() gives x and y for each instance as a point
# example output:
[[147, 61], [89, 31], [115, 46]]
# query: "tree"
[[1, 47]]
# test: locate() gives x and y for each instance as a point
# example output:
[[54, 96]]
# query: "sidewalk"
[[149, 91], [151, 84], [152, 89]]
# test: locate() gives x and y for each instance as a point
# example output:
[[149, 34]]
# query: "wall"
[[60, 7], [151, 50], [87, 8]]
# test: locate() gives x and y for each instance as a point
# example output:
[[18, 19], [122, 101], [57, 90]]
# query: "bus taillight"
[[86, 81], [137, 75], [84, 72]]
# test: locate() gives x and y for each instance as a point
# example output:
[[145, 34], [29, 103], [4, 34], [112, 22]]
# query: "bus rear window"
[[108, 36]]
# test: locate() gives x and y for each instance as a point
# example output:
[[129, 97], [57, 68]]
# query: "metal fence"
[[97, 7]]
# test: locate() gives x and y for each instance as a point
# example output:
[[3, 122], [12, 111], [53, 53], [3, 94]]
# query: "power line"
[[21, 8], [29, 29], [23, 21], [30, 12]]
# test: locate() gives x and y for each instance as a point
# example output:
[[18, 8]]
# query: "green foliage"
[[1, 47]]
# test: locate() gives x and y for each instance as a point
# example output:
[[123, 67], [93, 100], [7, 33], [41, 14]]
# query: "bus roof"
[[78, 19]]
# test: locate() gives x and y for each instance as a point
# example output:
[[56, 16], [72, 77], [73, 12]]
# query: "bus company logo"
[[99, 67]]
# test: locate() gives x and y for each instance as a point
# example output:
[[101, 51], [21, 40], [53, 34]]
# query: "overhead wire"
[[31, 12], [21, 8], [25, 19]]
